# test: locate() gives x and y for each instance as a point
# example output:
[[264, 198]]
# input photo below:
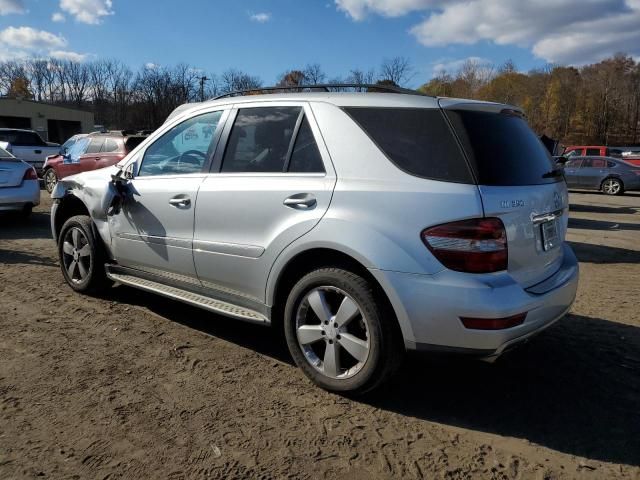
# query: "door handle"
[[37, 151], [97, 158], [301, 201], [180, 201]]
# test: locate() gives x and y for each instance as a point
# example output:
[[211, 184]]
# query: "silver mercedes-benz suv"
[[360, 224]]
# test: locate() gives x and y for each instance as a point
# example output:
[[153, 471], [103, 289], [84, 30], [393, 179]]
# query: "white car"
[[19, 185]]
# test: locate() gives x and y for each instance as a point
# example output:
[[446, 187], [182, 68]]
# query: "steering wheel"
[[189, 154]]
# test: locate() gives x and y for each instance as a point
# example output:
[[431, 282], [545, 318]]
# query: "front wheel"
[[50, 179], [339, 334], [81, 255], [612, 186]]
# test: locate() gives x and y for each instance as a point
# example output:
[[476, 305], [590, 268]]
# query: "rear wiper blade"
[[558, 172]]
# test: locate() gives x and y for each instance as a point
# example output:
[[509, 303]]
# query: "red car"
[[628, 154], [96, 150]]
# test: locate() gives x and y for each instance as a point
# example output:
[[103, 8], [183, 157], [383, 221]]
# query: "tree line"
[[593, 104]]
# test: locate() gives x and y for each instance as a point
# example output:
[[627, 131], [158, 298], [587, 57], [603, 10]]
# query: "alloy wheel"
[[76, 255], [332, 332], [50, 180], [611, 186]]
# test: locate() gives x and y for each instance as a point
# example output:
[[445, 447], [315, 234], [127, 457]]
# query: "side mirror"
[[66, 158]]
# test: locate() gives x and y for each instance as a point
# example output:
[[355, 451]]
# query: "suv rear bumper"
[[429, 307]]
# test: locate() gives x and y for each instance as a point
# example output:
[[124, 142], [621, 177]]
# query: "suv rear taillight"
[[30, 174], [478, 245]]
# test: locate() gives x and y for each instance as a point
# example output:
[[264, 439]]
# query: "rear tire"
[[338, 332], [82, 256], [50, 179], [612, 186]]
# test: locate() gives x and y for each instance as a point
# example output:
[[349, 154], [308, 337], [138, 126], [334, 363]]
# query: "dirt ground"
[[131, 385]]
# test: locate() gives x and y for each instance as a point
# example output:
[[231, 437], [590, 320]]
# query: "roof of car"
[[16, 130], [340, 99]]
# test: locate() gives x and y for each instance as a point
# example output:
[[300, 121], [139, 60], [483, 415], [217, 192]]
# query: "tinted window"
[[595, 162], [593, 151], [95, 145], [183, 149], [502, 149], [306, 156], [22, 139], [416, 140], [575, 163], [110, 145], [259, 140]]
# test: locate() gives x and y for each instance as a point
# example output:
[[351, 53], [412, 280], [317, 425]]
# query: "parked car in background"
[[609, 175], [19, 185], [89, 152], [357, 223], [27, 145]]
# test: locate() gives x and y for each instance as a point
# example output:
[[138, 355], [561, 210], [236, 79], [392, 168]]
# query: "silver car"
[[608, 175], [361, 225], [19, 186]]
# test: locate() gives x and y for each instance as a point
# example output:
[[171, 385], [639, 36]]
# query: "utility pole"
[[202, 80]]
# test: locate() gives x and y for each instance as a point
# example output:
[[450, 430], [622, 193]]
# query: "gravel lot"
[[131, 385]]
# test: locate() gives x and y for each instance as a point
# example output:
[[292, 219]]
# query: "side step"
[[191, 298]]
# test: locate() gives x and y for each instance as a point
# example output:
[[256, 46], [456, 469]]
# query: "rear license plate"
[[549, 235]]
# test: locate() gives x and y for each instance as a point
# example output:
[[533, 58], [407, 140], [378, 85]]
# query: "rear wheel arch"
[[312, 259]]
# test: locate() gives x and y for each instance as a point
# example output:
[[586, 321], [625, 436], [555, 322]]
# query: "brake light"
[[493, 323], [30, 174], [478, 245]]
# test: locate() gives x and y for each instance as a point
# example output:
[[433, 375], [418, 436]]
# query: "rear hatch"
[[11, 172], [518, 183]]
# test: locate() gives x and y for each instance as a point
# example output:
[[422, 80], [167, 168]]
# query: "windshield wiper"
[[558, 172]]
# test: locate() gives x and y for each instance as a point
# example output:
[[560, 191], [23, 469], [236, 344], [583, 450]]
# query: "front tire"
[[612, 186], [50, 179], [341, 336], [82, 255]]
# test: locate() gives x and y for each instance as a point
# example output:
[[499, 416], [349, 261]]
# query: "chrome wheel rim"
[[76, 255], [611, 186], [50, 180], [332, 332]]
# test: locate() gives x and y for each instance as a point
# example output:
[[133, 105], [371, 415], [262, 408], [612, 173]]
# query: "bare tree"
[[313, 74], [397, 69], [233, 80]]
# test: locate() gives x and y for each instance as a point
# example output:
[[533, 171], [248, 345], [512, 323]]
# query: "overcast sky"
[[268, 37]]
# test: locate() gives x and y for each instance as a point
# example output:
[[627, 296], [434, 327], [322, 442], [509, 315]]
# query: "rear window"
[[416, 140], [502, 149]]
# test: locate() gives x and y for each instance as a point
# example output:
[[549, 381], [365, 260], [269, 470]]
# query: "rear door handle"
[[180, 201], [301, 201], [37, 151]]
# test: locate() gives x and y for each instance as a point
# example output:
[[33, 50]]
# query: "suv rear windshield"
[[416, 140], [502, 149]]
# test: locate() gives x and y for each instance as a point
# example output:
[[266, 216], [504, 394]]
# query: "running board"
[[208, 303]]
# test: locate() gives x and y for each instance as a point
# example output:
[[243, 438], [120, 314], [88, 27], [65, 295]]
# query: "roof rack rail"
[[324, 87]]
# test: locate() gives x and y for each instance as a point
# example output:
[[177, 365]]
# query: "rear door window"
[[502, 149], [593, 152], [95, 145], [305, 157], [260, 139], [110, 146], [416, 140]]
